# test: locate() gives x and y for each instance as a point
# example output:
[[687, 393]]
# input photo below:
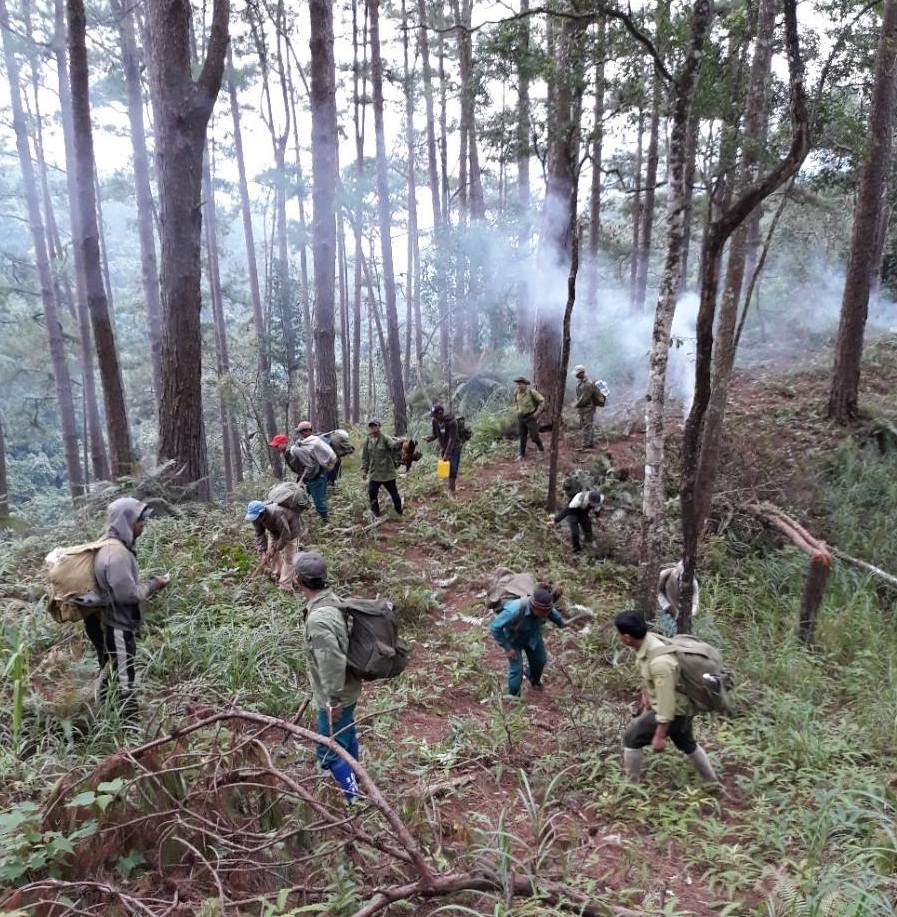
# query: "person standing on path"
[[586, 400], [445, 430], [118, 583], [324, 460], [378, 466], [529, 404]]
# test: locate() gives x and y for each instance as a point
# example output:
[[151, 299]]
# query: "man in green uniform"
[[530, 405], [667, 711], [378, 466], [585, 405], [335, 688]]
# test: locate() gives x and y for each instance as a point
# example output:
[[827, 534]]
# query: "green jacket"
[[660, 679], [585, 388], [378, 457], [530, 403], [326, 638]]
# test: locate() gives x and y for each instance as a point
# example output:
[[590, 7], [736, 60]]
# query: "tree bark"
[[393, 355], [555, 239], [182, 110], [143, 192], [121, 452], [719, 232], [653, 497], [263, 347], [325, 174], [843, 402], [59, 366]]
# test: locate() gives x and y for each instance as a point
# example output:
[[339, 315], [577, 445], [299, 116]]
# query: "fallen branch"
[[876, 571]]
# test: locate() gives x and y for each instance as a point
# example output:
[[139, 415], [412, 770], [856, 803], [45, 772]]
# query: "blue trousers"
[[317, 490], [536, 658], [343, 732]]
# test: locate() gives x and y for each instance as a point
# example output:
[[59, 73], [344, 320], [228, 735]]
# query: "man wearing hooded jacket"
[[117, 575]]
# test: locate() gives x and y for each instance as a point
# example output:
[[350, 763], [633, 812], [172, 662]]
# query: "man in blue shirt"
[[517, 629]]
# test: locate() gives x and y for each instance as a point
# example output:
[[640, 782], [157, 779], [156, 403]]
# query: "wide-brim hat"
[[521, 380]]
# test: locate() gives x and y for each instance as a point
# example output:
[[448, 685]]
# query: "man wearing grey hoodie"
[[117, 576]]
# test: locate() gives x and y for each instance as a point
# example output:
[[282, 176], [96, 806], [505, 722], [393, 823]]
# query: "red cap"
[[279, 440]]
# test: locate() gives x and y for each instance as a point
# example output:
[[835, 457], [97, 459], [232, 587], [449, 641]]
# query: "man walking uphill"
[[325, 459], [517, 629], [529, 404], [335, 689], [117, 576], [378, 465], [667, 711]]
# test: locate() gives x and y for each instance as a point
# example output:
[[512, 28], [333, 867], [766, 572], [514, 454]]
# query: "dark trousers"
[[121, 645], [579, 519], [529, 427], [641, 731], [391, 488], [93, 627]]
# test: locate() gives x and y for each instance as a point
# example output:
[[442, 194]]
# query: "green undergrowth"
[[805, 827]]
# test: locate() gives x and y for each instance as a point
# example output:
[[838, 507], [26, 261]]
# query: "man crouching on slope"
[[667, 712]]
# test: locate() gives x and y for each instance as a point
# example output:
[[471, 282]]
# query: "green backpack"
[[464, 432], [703, 676], [375, 648]]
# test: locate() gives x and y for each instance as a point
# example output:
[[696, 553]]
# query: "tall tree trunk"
[[393, 356], [755, 117], [555, 237], [96, 443], [263, 346], [597, 155], [359, 94], [143, 192], [4, 480], [182, 110], [525, 318], [325, 174], [653, 494], [122, 453], [637, 207], [59, 366], [843, 402], [720, 231], [230, 438], [439, 233]]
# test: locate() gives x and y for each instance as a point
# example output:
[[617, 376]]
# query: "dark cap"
[[373, 422], [632, 624], [595, 498], [309, 565], [437, 409], [542, 596], [522, 379]]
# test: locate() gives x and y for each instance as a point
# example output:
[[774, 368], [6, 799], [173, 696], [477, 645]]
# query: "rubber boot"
[[344, 776], [703, 766], [632, 764]]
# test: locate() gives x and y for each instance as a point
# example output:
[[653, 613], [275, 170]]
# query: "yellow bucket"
[[443, 468]]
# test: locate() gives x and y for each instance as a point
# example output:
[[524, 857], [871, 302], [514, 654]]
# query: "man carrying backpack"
[[578, 515], [445, 429], [529, 404], [667, 712], [325, 459], [517, 629], [378, 465], [277, 530], [119, 586], [335, 688], [585, 405]]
